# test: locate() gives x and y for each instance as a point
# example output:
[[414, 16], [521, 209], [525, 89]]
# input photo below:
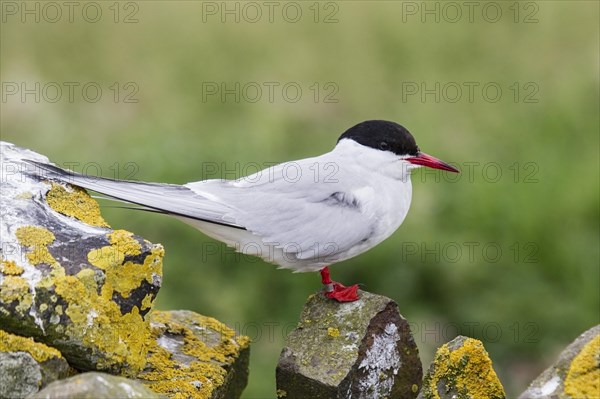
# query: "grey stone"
[[20, 375], [94, 385], [361, 349], [574, 375], [461, 369], [66, 278], [26, 366], [195, 356]]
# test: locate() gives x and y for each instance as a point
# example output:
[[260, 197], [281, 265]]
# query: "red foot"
[[341, 293], [337, 291]]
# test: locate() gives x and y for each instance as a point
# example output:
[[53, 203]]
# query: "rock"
[[194, 356], [20, 375], [361, 349], [26, 366], [461, 369], [576, 373], [66, 278], [95, 385]]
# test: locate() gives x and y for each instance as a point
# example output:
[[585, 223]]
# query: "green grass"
[[525, 304]]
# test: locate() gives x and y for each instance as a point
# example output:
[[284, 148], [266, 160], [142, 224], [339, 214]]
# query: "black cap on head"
[[383, 135]]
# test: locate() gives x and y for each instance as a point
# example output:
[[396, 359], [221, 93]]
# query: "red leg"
[[338, 291]]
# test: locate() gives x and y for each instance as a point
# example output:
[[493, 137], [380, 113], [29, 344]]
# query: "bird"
[[303, 215]]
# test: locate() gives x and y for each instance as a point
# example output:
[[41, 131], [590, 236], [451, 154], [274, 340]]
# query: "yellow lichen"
[[105, 257], [75, 202], [333, 332], [96, 318], [16, 288], [125, 242], [118, 341], [15, 343], [88, 279], [97, 321], [37, 239], [583, 377], [243, 341], [10, 268], [125, 277], [164, 375], [31, 236], [146, 302], [468, 369], [281, 393]]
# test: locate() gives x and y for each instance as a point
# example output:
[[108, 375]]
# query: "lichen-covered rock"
[[576, 373], [26, 366], [95, 385], [361, 349], [66, 278], [461, 369], [20, 375], [194, 356]]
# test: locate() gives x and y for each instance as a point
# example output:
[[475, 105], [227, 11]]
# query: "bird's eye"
[[384, 146]]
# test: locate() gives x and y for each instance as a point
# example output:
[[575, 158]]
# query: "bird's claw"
[[341, 293]]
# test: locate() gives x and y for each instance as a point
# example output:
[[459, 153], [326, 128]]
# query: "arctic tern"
[[302, 215]]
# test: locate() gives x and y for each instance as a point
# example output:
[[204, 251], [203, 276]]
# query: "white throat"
[[385, 163]]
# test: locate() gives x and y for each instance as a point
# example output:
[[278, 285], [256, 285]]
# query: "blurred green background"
[[507, 252]]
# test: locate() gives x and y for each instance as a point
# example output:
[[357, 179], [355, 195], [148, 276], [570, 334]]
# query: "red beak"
[[431, 162]]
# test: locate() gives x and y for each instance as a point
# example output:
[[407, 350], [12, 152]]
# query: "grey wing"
[[166, 198], [309, 220], [323, 230]]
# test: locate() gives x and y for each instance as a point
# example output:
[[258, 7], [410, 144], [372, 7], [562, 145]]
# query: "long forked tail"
[[165, 198]]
